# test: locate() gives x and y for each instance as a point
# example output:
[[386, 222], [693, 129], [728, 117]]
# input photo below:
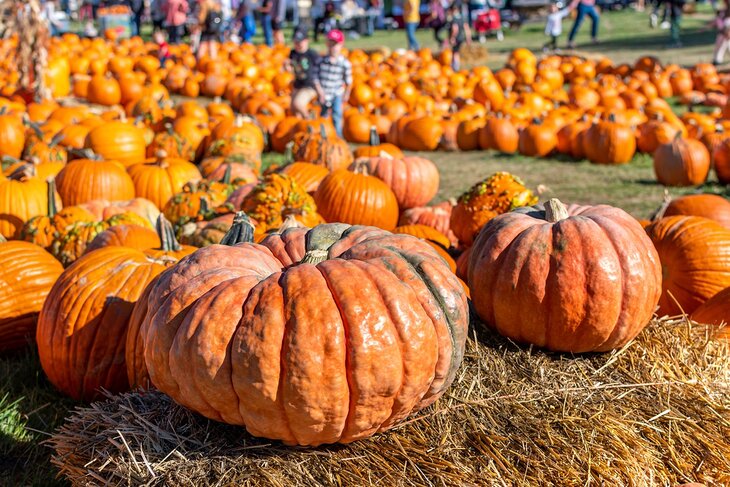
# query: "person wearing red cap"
[[333, 79]]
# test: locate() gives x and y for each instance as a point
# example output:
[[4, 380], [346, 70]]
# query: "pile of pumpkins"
[[581, 108], [326, 299]]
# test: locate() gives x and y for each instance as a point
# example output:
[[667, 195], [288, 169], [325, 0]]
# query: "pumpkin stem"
[[51, 186], [374, 138], [168, 127], [227, 175], [319, 240], [2, 239], [289, 153], [361, 167], [86, 153], [35, 128], [555, 211], [322, 131], [290, 222], [659, 213], [241, 231], [167, 235], [56, 139]]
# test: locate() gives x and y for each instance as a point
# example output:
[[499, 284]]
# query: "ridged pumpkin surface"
[[308, 175], [331, 351], [695, 256], [588, 281], [82, 327], [159, 180], [709, 206], [27, 273], [132, 236], [414, 180], [85, 180]]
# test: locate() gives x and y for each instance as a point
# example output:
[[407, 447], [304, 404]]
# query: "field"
[[29, 407]]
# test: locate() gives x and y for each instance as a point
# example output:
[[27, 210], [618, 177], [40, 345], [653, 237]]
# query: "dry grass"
[[654, 413]]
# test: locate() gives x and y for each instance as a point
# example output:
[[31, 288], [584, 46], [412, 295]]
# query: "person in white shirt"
[[554, 25]]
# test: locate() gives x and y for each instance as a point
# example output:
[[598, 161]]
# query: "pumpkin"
[[307, 175], [160, 178], [681, 162], [609, 142], [422, 134], [376, 148], [709, 206], [357, 198], [721, 161], [499, 193], [275, 198], [82, 327], [537, 140], [103, 209], [570, 139], [132, 236], [22, 197], [653, 133], [172, 144], [321, 149], [695, 257], [414, 180], [715, 311], [84, 180], [27, 273], [437, 217], [73, 241], [186, 205], [117, 141], [424, 232], [205, 233], [499, 134], [386, 339], [43, 229], [12, 136], [581, 279], [104, 90]]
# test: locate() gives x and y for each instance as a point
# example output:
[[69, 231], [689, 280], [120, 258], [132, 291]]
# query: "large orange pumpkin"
[[27, 273], [709, 206], [695, 257], [84, 180], [576, 280], [22, 197], [315, 336], [357, 198], [117, 141], [158, 179], [82, 327]]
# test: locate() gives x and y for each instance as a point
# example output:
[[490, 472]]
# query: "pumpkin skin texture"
[[21, 200], [306, 362], [709, 206], [159, 179], [695, 256], [721, 160], [682, 162], [436, 216], [499, 193], [117, 141], [577, 280], [308, 175], [414, 180], [85, 180], [357, 199], [82, 327], [27, 273], [133, 236]]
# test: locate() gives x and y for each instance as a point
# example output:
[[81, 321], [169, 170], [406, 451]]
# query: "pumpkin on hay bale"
[[514, 416]]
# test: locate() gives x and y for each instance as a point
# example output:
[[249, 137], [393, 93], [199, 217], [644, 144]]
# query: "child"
[[163, 48], [722, 41], [333, 79], [459, 32], [554, 26]]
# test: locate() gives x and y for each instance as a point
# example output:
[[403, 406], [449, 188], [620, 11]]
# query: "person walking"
[[265, 11], [459, 32], [248, 21], [278, 17], [137, 8], [303, 62], [722, 41], [554, 26], [333, 80], [210, 20], [585, 7], [675, 19], [176, 12], [157, 14], [437, 20], [411, 18]]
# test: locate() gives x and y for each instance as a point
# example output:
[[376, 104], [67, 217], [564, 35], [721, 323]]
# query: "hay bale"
[[474, 54], [654, 413]]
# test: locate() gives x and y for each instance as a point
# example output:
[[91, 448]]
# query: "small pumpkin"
[[376, 148], [27, 272], [681, 162], [322, 149], [161, 177], [357, 198]]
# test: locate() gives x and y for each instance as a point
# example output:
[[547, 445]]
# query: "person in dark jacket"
[[137, 8]]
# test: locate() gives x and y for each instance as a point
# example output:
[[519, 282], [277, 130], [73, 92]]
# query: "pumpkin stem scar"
[[314, 257], [555, 211]]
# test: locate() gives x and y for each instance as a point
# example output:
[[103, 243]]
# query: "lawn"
[[29, 407]]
